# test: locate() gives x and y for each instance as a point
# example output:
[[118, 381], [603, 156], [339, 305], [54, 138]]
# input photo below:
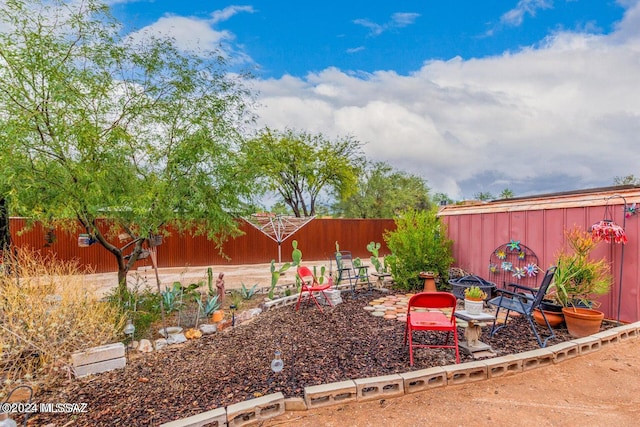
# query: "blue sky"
[[532, 95], [298, 37]]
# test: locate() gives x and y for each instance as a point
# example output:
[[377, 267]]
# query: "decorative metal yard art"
[[607, 230], [513, 262], [277, 227]]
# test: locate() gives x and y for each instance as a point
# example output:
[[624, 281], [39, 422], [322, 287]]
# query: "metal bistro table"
[[472, 332]]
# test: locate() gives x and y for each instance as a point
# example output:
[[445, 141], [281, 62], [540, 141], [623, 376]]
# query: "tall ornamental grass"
[[48, 311]]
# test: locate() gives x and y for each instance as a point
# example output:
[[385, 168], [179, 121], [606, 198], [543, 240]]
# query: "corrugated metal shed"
[[539, 222]]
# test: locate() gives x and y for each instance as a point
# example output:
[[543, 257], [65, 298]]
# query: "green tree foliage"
[[506, 194], [298, 166], [484, 196], [97, 126], [442, 199], [418, 243], [626, 180], [382, 192]]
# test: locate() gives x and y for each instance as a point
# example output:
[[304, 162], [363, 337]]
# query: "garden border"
[[390, 386]]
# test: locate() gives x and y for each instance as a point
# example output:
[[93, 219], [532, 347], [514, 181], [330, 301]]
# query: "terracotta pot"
[[582, 322], [217, 316], [429, 281], [555, 319]]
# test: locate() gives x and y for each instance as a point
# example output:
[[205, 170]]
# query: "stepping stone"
[[369, 308], [390, 316], [377, 313]]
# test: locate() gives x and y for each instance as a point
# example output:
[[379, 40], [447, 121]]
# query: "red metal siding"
[[540, 224]]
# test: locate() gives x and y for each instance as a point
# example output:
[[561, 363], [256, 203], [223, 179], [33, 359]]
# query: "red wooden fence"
[[316, 240]]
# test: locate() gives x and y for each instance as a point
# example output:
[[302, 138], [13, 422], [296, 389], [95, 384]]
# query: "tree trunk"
[[5, 235]]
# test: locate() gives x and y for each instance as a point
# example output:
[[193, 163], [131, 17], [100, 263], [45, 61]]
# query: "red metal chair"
[[433, 318], [310, 285]]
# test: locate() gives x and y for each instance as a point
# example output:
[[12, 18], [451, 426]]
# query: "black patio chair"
[[348, 271], [523, 300]]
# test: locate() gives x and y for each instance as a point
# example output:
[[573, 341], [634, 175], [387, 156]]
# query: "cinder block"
[[588, 344], [630, 331], [214, 418], [503, 366], [295, 404], [386, 386], [98, 354], [465, 373], [96, 368], [536, 358], [333, 295], [564, 351], [607, 337], [255, 410], [424, 379], [330, 394]]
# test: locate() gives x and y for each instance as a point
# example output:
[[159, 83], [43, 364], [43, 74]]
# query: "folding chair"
[[310, 285], [348, 271], [523, 300], [432, 318]]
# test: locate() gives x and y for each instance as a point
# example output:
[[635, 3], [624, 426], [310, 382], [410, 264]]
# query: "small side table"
[[472, 332], [380, 278]]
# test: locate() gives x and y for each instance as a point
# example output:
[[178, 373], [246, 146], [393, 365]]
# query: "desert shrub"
[[418, 243], [48, 311], [140, 303]]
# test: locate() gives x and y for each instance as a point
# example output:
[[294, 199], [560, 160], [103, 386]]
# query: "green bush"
[[418, 244]]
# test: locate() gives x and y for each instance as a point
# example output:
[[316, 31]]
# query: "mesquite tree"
[[94, 125]]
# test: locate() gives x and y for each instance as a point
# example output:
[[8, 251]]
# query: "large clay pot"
[[582, 322], [555, 319]]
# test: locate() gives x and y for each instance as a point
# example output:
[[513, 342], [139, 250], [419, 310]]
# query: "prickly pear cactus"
[[296, 255]]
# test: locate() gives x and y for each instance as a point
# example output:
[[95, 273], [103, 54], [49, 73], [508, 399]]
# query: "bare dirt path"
[[599, 389]]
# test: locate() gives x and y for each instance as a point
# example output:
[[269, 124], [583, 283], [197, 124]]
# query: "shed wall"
[[540, 224]]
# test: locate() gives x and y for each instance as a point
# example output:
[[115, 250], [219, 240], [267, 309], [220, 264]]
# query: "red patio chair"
[[431, 319], [310, 285]]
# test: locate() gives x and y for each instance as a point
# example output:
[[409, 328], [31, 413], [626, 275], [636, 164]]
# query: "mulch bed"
[[344, 342]]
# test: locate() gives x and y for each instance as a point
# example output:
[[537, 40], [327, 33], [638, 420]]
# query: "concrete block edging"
[[396, 385]]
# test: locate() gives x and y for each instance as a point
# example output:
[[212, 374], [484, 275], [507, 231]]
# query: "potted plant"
[[578, 280], [474, 299]]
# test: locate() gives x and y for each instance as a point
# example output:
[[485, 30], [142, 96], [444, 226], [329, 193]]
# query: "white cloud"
[[197, 34], [562, 116], [515, 16], [228, 12], [398, 20]]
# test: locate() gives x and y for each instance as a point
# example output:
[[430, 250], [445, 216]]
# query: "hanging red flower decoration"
[[608, 231]]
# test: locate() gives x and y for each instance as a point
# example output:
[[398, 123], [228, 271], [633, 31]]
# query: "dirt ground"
[[599, 389]]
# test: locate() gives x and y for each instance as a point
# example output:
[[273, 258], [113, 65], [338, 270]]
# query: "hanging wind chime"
[[606, 230]]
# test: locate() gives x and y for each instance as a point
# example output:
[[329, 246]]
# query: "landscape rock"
[[176, 338], [208, 329], [145, 346]]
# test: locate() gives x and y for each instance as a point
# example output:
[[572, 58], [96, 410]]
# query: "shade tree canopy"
[[299, 167], [383, 192], [96, 126]]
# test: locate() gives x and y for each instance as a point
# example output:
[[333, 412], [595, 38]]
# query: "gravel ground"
[[231, 366]]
